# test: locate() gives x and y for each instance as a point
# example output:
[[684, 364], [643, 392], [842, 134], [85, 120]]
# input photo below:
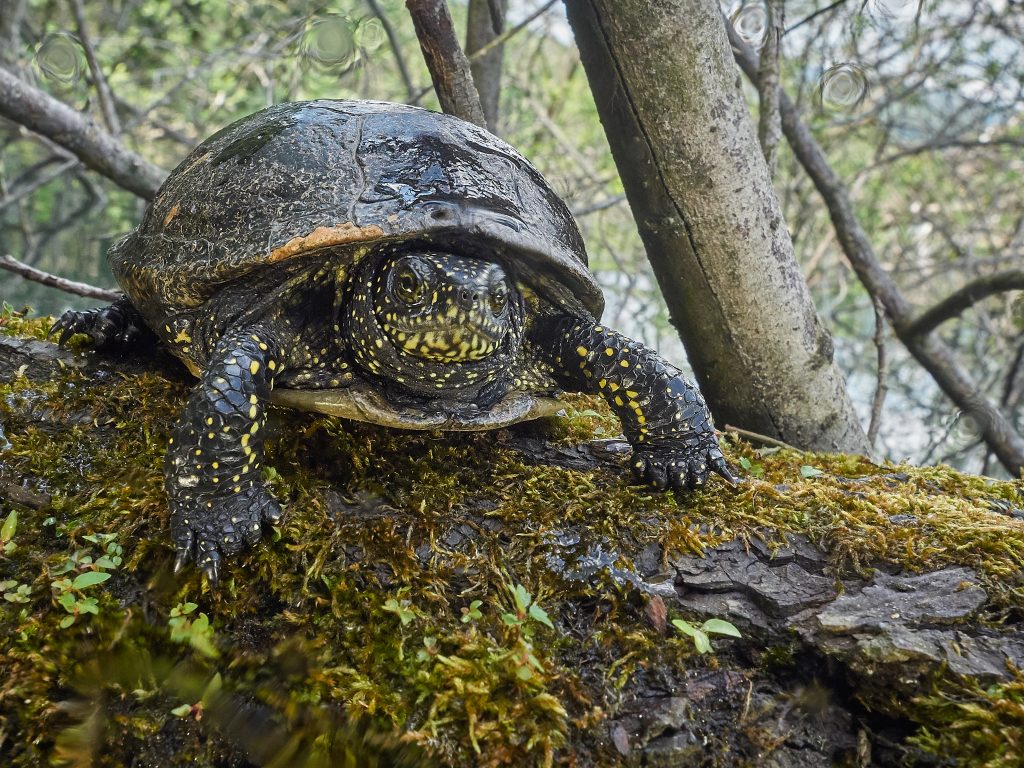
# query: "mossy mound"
[[463, 599]]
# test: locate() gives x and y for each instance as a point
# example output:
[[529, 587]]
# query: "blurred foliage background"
[[918, 103]]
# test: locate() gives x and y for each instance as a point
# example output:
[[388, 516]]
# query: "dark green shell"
[[296, 179]]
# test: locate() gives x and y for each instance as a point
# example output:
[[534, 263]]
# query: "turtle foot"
[[116, 328], [208, 534]]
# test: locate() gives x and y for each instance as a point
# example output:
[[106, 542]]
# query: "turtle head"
[[442, 307], [435, 322]]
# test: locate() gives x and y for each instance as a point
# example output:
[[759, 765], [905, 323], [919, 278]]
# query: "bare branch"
[[396, 48], [504, 36], [485, 21], [882, 385], [965, 297], [774, 441], [448, 65], [102, 88], [11, 264], [24, 190], [97, 149], [932, 353], [769, 128]]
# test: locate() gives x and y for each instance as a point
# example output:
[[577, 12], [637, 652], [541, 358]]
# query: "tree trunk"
[[666, 89], [481, 28]]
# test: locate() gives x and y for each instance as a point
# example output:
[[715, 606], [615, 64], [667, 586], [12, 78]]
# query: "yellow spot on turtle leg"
[[254, 367]]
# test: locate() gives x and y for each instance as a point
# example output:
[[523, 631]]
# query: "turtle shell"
[[298, 179]]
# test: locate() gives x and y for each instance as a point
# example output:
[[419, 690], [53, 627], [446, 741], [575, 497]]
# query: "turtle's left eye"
[[409, 286]]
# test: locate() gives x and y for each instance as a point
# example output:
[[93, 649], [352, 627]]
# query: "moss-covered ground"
[[389, 616]]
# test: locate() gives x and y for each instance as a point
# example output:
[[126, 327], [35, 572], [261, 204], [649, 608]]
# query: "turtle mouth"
[[468, 342]]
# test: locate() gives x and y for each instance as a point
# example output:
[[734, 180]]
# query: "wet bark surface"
[[830, 660]]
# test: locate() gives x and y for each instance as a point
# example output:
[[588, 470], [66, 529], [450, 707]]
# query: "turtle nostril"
[[468, 298]]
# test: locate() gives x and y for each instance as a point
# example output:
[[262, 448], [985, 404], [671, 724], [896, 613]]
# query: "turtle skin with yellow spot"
[[380, 262]]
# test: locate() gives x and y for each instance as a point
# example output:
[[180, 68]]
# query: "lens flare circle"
[[843, 86], [750, 21], [60, 58]]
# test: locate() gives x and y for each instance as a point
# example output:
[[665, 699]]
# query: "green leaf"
[[212, 689], [67, 621], [524, 673], [539, 614], [720, 627], [522, 597], [89, 605], [182, 711], [809, 471], [105, 562], [89, 579], [685, 627], [9, 527], [701, 641]]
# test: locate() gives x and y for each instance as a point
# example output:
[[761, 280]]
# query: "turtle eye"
[[499, 298], [409, 286]]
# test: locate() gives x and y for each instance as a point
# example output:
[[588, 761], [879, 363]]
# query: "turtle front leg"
[[663, 415], [217, 498]]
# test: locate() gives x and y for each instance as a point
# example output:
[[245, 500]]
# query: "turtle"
[[380, 262]]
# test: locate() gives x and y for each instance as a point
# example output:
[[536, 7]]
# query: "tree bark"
[[448, 65], [667, 93], [79, 134], [481, 28]]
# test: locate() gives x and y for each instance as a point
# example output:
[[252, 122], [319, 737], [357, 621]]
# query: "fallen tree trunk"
[[501, 598]]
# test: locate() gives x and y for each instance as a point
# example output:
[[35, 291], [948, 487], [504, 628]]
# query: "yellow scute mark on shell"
[[323, 237], [172, 213], [182, 338]]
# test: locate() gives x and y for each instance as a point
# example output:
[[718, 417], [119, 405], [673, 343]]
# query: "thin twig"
[[600, 205], [11, 264], [760, 438], [511, 32], [102, 87], [882, 387], [24, 190], [396, 48]]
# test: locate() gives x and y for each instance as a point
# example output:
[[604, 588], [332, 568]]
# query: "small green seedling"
[[401, 608], [527, 614], [808, 471], [700, 635], [196, 632], [71, 595], [15, 592], [472, 612], [10, 525]]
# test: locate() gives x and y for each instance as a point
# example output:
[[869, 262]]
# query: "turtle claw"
[[212, 571], [179, 561], [719, 467], [680, 464]]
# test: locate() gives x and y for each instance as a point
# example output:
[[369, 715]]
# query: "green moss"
[[971, 725], [356, 603]]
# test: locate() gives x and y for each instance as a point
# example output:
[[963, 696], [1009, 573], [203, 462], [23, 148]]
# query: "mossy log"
[[504, 598]]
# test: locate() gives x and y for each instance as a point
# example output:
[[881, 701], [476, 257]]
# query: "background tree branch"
[[448, 65], [11, 264], [964, 298], [932, 353], [79, 134]]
